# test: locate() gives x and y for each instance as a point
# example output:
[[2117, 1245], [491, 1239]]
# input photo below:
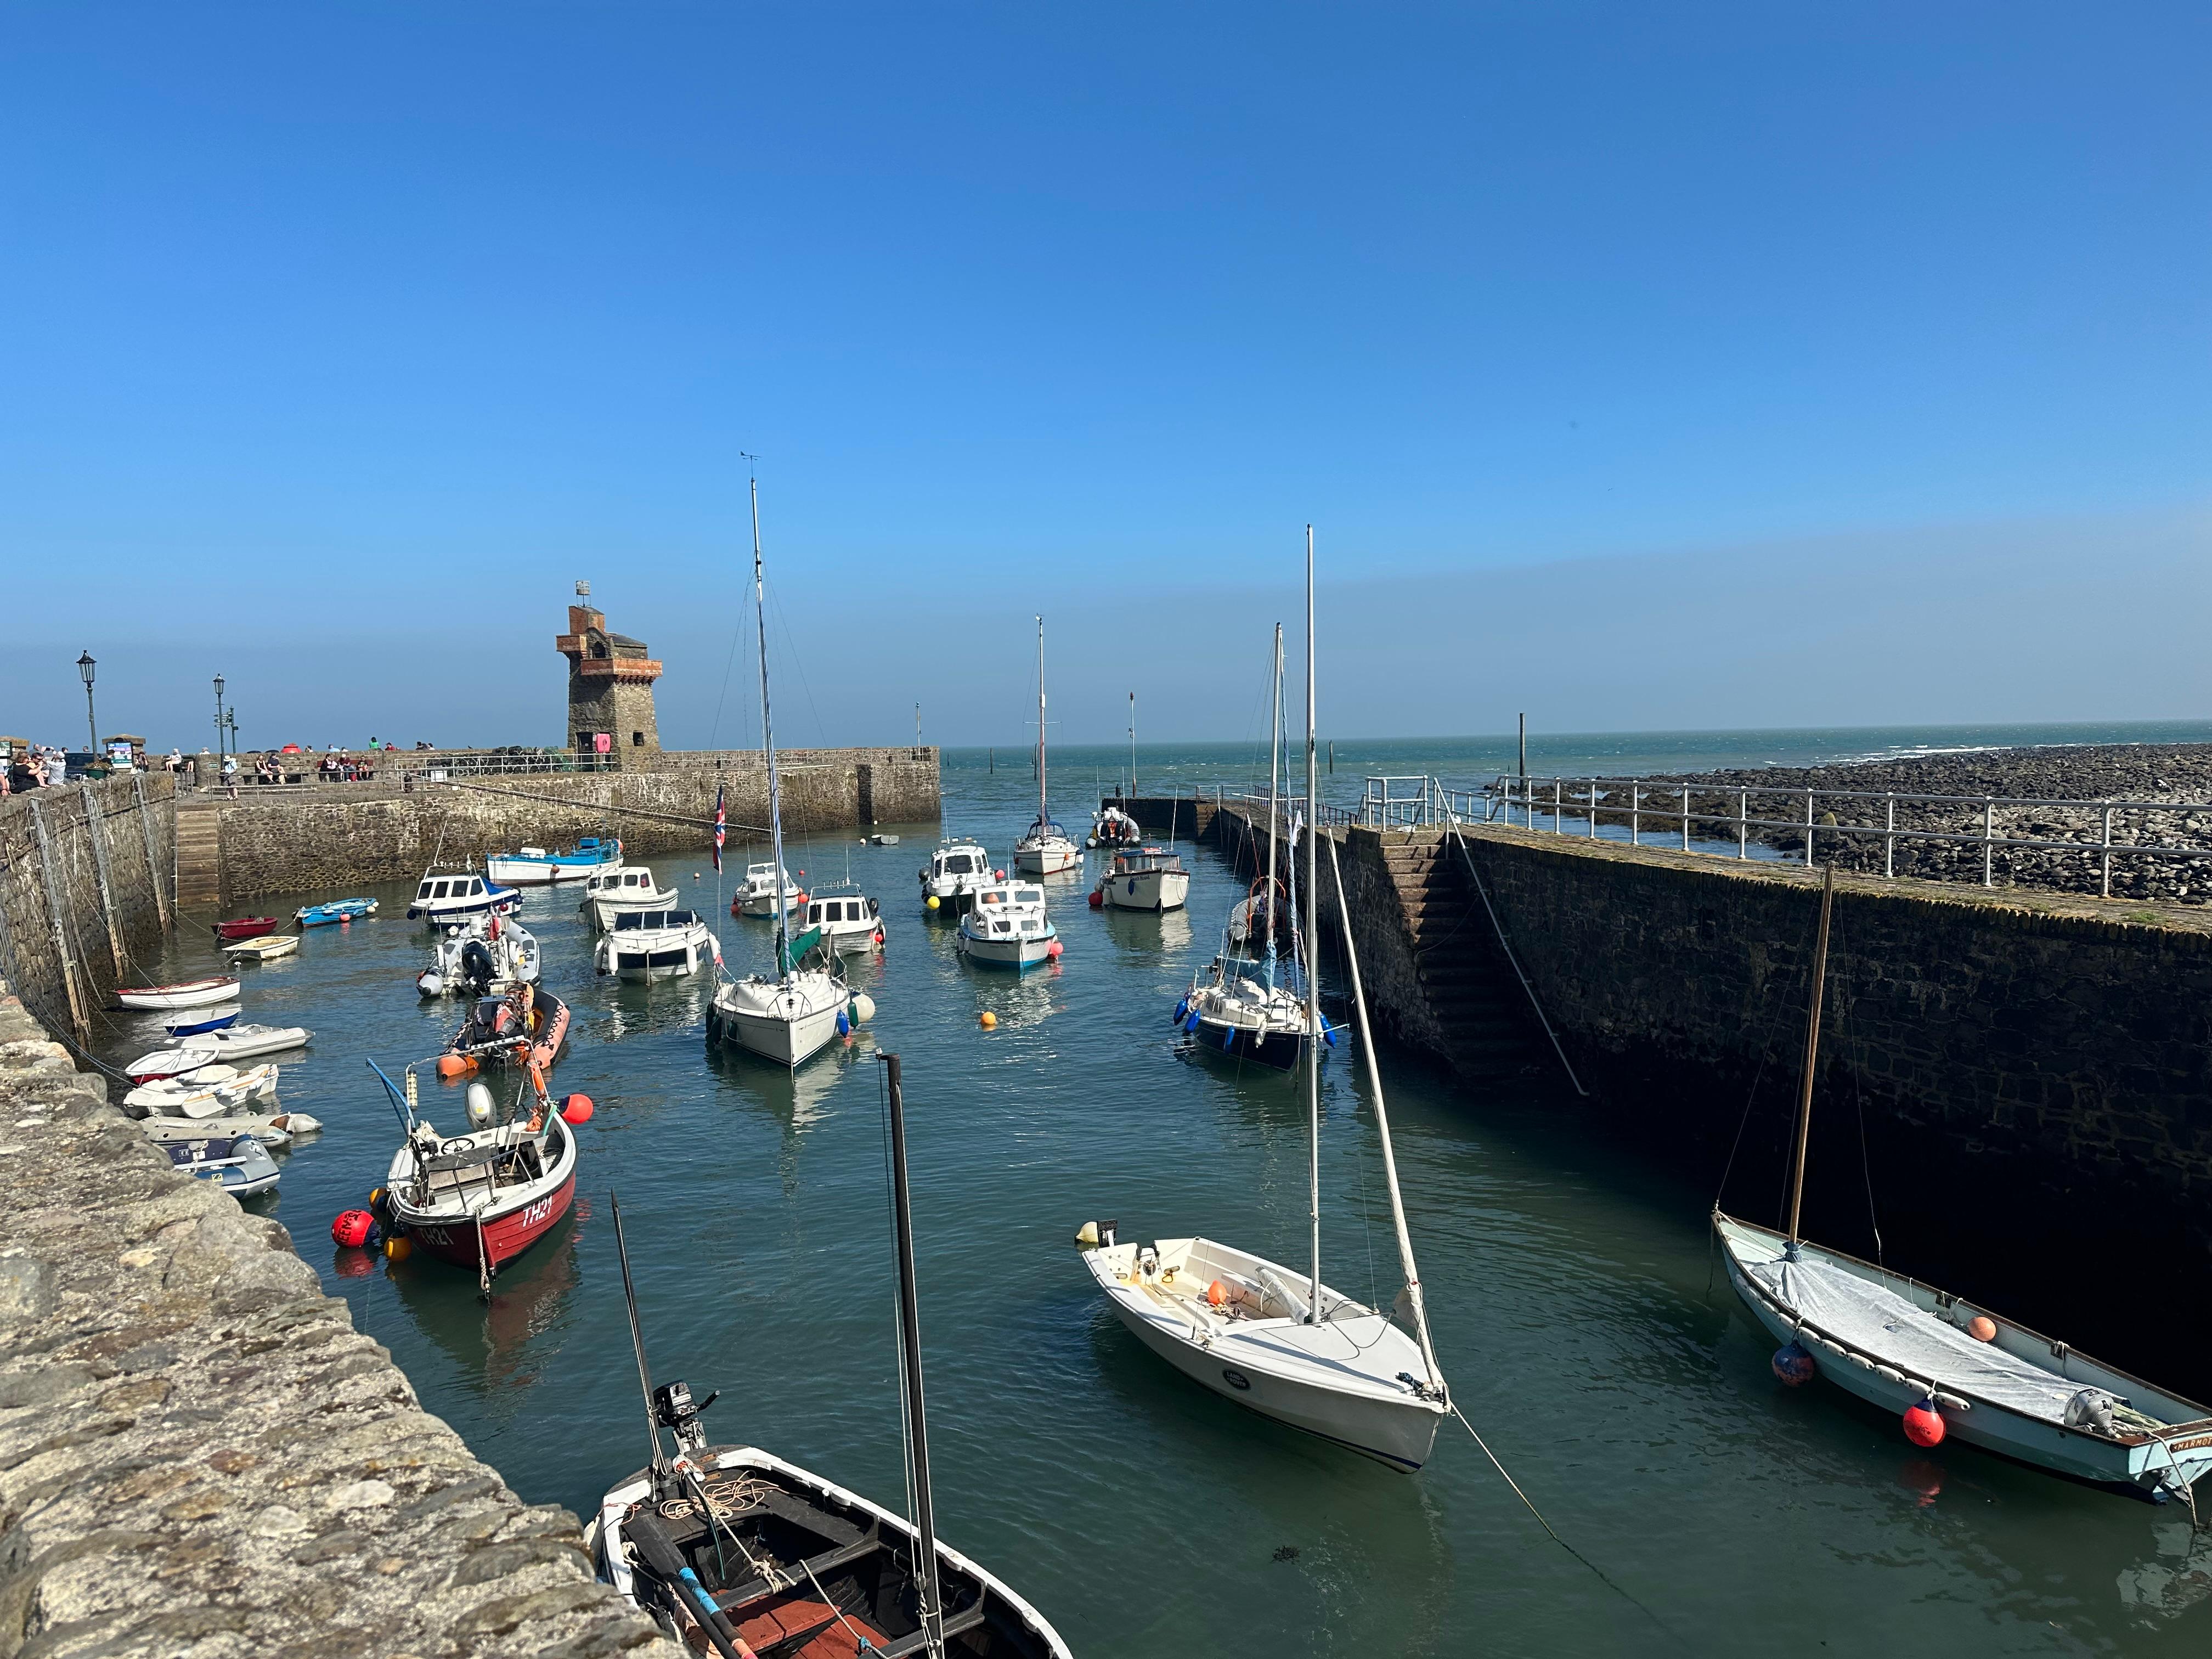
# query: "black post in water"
[[931, 1607], [636, 1337]]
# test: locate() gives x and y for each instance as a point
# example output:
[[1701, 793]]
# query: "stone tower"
[[610, 688]]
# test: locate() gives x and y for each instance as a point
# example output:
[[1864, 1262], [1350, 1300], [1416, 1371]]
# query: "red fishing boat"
[[481, 1198], [246, 928]]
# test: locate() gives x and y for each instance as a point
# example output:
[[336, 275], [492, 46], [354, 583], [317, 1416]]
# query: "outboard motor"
[[672, 1408], [477, 967]]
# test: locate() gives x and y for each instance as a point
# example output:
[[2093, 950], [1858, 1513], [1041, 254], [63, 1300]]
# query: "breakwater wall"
[[198, 1453], [2015, 1092], [332, 836], [87, 876]]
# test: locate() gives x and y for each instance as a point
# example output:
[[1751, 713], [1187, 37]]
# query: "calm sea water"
[[1576, 1309]]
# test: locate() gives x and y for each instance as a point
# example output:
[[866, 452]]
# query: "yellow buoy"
[[398, 1247], [990, 1021], [932, 902]]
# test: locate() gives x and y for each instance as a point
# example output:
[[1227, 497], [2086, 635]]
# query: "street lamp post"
[[84, 666], [218, 717]]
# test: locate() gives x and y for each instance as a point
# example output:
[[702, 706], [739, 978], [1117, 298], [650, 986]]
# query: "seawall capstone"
[[199, 1454]]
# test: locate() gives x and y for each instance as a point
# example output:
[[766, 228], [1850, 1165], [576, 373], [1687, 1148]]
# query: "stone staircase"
[[199, 855], [1485, 1026]]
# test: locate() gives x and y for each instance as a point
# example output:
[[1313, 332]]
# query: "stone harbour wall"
[[199, 1454], [340, 835], [87, 875]]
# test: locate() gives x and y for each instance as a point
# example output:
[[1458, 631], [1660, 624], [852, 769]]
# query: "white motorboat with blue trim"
[[445, 895], [534, 866], [1007, 926], [645, 944]]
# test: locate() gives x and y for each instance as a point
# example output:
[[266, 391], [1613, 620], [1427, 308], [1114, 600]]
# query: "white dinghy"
[[269, 1129], [207, 1092], [1272, 1339], [1045, 848], [193, 994], [1948, 1368], [632, 887], [791, 1017]]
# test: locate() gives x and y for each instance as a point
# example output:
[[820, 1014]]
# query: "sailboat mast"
[[932, 1608], [1413, 1292], [1274, 789], [636, 1336], [1132, 745], [1312, 963], [1812, 1054], [768, 748], [1041, 811]]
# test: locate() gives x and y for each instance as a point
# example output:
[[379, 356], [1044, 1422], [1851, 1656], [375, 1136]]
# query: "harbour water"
[[1576, 1310]]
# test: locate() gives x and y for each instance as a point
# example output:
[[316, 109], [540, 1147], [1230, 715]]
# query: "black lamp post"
[[218, 716], [84, 666]]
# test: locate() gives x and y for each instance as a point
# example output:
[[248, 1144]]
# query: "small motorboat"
[[184, 1028], [250, 1041], [246, 928], [269, 1129], [264, 947], [632, 887], [338, 910], [756, 895], [848, 921], [1007, 928], [1148, 879], [448, 894], [1111, 828], [240, 1163], [481, 1198], [955, 871], [209, 1091], [533, 866], [482, 956], [646, 945], [528, 1026], [192, 994]]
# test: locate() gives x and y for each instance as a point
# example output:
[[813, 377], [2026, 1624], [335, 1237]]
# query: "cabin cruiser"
[[1149, 879], [1007, 928], [757, 898], [627, 887], [848, 921], [445, 894], [646, 945], [533, 866], [956, 870], [483, 956]]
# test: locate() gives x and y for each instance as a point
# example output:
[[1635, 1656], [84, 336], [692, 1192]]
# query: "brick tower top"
[[610, 680]]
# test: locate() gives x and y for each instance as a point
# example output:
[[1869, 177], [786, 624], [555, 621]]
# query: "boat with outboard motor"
[[756, 895], [534, 866], [529, 1026], [1007, 926], [645, 944], [445, 895], [1947, 1365], [338, 910], [238, 1163], [480, 955], [625, 887], [192, 993], [955, 871], [1146, 879], [1111, 827], [482, 1197], [731, 1548]]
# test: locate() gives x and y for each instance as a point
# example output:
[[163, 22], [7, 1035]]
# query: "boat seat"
[[958, 1623], [862, 1546]]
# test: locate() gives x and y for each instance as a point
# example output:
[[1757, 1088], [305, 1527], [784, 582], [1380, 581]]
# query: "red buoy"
[[577, 1108], [1097, 899], [351, 1228], [1794, 1365], [1923, 1424]]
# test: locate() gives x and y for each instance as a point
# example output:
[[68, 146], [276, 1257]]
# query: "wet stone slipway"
[[198, 1453]]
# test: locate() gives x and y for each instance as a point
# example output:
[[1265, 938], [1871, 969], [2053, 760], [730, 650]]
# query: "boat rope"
[[1561, 1542], [619, 812], [1750, 1100], [1845, 1004]]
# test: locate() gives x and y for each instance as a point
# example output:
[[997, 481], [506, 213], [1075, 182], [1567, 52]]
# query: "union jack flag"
[[721, 828]]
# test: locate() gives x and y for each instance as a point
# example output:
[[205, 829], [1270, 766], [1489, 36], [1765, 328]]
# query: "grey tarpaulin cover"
[[1888, 1329]]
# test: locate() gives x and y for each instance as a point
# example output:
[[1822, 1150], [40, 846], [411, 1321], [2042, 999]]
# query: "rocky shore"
[[2145, 776]]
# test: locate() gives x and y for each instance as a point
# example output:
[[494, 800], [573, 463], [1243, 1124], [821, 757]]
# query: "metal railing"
[[1685, 811], [442, 769]]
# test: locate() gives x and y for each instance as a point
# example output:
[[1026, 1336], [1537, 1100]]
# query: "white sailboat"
[[1046, 849], [1948, 1367], [791, 1017], [1272, 1339]]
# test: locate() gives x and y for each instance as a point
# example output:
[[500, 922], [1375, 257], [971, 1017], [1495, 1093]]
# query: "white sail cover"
[[1885, 1327]]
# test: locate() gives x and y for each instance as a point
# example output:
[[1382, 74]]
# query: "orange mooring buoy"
[[989, 1022]]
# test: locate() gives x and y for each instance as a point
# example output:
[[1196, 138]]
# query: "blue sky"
[[337, 341]]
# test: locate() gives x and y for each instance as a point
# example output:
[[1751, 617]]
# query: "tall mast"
[[1041, 811], [636, 1337], [1413, 1293], [1313, 964], [1812, 1054], [932, 1608], [1132, 745], [1274, 787], [768, 748]]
